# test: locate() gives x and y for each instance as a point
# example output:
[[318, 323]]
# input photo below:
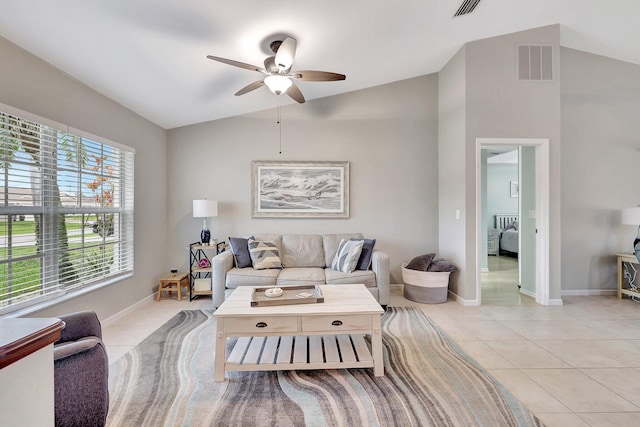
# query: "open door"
[[533, 193]]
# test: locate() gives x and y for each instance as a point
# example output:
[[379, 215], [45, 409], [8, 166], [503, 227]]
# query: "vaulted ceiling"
[[150, 55]]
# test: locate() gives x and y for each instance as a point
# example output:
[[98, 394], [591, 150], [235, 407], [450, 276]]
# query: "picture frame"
[[300, 189], [515, 189]]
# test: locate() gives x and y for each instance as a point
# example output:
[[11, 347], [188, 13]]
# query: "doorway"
[[501, 276], [512, 218]]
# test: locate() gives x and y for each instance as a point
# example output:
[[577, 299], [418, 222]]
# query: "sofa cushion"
[[334, 277], [264, 255], [301, 276], [347, 256], [331, 242], [250, 277], [240, 249], [365, 256], [302, 250]]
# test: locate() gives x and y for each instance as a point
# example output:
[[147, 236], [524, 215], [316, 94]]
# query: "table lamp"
[[204, 209], [631, 216]]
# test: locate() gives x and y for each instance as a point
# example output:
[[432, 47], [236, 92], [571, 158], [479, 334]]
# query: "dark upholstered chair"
[[81, 372]]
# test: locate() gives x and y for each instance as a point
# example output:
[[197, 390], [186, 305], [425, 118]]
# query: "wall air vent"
[[535, 62], [467, 6]]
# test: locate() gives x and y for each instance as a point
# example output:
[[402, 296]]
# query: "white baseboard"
[[589, 292], [527, 293], [465, 302], [556, 302], [112, 319], [484, 269]]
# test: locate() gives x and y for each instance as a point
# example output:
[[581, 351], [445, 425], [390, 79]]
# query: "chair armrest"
[[220, 264], [71, 348], [380, 266], [79, 325], [81, 381]]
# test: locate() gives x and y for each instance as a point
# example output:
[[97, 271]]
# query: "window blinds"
[[66, 211]]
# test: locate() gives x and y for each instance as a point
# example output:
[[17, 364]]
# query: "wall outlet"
[[457, 213], [532, 214]]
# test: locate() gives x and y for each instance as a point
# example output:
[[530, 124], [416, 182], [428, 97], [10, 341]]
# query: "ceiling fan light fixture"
[[277, 84]]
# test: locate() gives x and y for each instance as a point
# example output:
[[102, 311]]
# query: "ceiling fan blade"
[[237, 64], [317, 76], [286, 53], [250, 87], [295, 94]]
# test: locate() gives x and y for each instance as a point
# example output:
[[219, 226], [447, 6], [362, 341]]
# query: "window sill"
[[26, 311]]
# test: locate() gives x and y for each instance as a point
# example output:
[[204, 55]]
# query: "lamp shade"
[[205, 208], [631, 216], [277, 84]]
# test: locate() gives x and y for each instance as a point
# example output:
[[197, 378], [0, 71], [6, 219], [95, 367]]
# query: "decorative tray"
[[305, 294]]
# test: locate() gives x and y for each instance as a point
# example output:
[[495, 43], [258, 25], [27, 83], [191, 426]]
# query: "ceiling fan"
[[277, 68]]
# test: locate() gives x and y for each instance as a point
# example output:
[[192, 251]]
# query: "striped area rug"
[[167, 380]]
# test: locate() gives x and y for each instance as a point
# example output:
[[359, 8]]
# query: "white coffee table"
[[327, 335]]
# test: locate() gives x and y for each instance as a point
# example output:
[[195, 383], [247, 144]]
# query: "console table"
[[631, 259], [26, 370]]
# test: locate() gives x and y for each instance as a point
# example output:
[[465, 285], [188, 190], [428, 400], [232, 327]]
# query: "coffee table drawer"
[[335, 323], [258, 325]]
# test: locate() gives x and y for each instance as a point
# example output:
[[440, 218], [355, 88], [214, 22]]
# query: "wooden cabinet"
[[493, 236], [200, 265], [627, 280]]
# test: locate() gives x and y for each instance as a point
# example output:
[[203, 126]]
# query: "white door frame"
[[542, 211]]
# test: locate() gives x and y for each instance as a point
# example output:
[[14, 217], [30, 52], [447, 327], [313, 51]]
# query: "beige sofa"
[[306, 260]]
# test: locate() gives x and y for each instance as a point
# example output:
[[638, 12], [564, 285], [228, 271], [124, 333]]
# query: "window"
[[66, 211]]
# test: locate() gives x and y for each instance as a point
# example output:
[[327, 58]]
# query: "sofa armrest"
[[220, 264], [79, 325], [380, 266]]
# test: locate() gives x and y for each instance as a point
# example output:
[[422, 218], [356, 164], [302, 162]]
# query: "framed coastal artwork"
[[300, 189]]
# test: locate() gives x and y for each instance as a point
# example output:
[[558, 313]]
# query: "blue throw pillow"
[[365, 256], [240, 249]]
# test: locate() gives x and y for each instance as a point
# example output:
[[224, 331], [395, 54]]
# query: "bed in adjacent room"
[[508, 226]]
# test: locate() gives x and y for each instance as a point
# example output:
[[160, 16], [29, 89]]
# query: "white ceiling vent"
[[535, 62], [467, 6]]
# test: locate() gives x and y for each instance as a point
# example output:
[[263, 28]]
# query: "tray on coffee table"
[[304, 294]]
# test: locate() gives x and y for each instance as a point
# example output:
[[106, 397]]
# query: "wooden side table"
[[177, 280], [631, 259]]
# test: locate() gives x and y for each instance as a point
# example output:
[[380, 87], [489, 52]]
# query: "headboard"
[[502, 220]]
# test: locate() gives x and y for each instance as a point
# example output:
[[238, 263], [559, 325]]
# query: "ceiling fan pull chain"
[[280, 125]]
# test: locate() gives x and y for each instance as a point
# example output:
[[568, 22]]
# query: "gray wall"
[[600, 166], [480, 97], [451, 170], [387, 133], [32, 85], [500, 106]]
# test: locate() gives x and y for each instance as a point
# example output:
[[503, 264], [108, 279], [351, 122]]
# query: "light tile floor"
[[572, 365]]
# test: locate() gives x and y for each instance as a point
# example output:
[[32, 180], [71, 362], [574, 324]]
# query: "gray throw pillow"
[[364, 263], [421, 263], [240, 249], [441, 265]]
